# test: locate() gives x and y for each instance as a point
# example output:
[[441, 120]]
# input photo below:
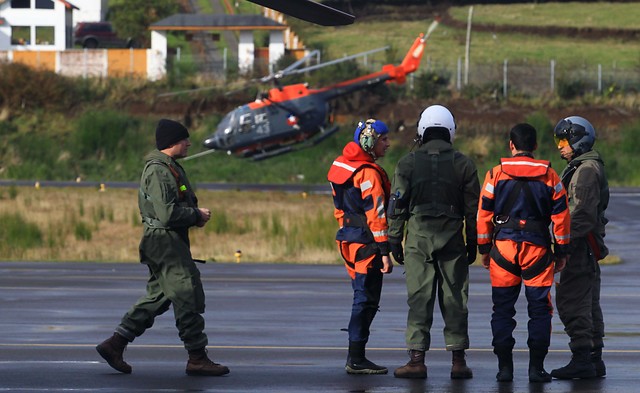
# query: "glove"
[[397, 252], [472, 252]]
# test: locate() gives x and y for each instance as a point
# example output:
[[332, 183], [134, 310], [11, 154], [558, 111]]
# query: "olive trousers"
[[177, 283]]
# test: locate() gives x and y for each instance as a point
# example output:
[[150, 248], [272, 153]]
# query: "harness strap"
[[354, 220], [532, 271], [153, 223]]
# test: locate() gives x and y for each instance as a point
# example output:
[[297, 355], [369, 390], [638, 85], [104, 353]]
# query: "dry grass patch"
[[84, 224]]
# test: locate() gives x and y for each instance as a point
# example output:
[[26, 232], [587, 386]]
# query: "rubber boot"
[[459, 369], [537, 373], [415, 368], [112, 350], [505, 363], [200, 364], [357, 363], [580, 366], [598, 364]]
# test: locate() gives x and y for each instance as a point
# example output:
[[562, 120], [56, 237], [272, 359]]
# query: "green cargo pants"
[[177, 283], [444, 272]]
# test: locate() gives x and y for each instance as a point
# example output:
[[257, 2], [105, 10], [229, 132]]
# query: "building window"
[[20, 35], [20, 3], [44, 4], [45, 35]]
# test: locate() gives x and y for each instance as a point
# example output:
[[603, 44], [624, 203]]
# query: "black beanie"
[[169, 132]]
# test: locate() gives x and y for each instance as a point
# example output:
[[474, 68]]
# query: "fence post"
[[599, 78], [553, 75], [459, 74], [504, 78], [467, 47]]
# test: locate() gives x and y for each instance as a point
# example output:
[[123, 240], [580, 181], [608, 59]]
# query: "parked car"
[[99, 35]]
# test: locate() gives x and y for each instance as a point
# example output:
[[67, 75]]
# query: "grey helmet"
[[578, 132]]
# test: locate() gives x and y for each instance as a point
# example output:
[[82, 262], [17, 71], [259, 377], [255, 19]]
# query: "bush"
[[107, 134], [571, 88], [432, 84], [17, 235]]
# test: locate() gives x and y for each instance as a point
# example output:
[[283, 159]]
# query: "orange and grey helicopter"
[[281, 120]]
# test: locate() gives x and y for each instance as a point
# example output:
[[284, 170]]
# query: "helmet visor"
[[568, 131]]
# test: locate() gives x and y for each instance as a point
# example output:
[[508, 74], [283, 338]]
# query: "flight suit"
[[578, 293], [437, 189], [168, 208], [520, 198], [360, 190]]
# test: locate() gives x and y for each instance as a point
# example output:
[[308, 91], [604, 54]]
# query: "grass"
[[571, 14], [84, 224], [447, 44]]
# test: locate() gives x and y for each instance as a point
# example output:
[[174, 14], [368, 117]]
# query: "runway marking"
[[278, 347]]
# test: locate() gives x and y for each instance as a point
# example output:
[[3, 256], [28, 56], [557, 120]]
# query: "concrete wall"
[[139, 63]]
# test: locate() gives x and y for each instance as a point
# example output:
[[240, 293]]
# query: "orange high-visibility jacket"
[[542, 201], [360, 189]]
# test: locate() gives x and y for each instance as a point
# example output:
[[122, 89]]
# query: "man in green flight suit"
[[435, 192], [168, 207]]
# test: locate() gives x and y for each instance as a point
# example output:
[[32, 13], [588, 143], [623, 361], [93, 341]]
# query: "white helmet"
[[436, 116]]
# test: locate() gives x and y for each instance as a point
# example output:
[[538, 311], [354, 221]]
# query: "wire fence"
[[504, 78]]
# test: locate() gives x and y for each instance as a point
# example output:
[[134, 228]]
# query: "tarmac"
[[281, 328]]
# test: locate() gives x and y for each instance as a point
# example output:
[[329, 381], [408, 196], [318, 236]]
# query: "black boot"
[[598, 364], [459, 369], [357, 363], [580, 366], [200, 364], [505, 363], [537, 373], [112, 350], [415, 368]]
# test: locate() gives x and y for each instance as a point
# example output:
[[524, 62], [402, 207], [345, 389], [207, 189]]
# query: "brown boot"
[[200, 364], [112, 349], [415, 368], [459, 369]]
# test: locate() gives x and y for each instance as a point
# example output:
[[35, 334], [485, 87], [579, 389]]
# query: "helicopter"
[[293, 117]]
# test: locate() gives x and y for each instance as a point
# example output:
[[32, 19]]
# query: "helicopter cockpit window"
[[245, 122]]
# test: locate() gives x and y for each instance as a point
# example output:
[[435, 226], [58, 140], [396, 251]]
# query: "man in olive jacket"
[[578, 293], [168, 207], [436, 191]]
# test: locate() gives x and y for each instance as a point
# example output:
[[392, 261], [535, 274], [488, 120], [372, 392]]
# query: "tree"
[[132, 18]]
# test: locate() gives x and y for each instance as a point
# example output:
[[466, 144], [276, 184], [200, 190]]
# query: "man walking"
[[168, 207]]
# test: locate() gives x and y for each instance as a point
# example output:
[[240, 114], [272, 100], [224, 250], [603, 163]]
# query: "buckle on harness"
[[501, 219]]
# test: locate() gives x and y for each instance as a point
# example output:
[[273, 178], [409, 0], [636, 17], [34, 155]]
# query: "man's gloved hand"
[[472, 252], [397, 252]]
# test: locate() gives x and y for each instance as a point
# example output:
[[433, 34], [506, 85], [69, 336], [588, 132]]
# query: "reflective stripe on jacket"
[[360, 192], [544, 200]]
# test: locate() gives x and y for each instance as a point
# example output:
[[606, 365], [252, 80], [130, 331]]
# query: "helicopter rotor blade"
[[202, 153], [336, 61], [309, 11], [431, 28], [289, 69]]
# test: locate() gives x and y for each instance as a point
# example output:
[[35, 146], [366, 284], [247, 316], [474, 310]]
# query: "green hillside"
[[60, 128]]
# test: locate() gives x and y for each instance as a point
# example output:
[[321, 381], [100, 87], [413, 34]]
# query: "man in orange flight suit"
[[360, 195], [519, 199]]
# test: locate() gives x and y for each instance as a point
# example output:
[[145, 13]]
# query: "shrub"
[[17, 235], [431, 84]]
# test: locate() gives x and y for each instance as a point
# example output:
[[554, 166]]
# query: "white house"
[[90, 11], [36, 24]]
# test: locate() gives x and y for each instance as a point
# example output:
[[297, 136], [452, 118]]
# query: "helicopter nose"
[[212, 142]]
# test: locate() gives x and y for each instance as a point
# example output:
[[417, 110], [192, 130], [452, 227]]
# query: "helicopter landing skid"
[[324, 134]]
